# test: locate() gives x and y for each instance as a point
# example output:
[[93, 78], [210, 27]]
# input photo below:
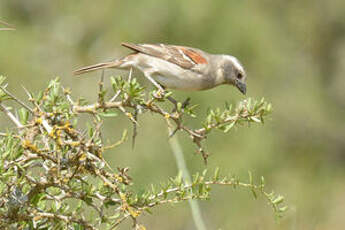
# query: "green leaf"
[[108, 114], [90, 129], [35, 199], [77, 226], [262, 182], [228, 127], [216, 174], [2, 79], [88, 200], [23, 115], [256, 119], [283, 209], [250, 177], [278, 200], [3, 95], [109, 203], [39, 96], [178, 179]]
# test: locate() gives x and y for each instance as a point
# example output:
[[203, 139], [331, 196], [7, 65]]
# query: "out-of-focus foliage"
[[5, 26], [293, 51]]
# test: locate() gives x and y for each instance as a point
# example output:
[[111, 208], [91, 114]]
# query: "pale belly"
[[172, 76], [182, 81]]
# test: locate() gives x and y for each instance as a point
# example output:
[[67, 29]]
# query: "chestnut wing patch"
[[194, 56]]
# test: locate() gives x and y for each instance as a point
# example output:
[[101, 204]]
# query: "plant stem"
[[181, 165]]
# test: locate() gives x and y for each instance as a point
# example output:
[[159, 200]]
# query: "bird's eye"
[[239, 76]]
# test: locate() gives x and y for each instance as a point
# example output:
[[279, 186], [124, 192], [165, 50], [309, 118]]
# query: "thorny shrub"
[[53, 175]]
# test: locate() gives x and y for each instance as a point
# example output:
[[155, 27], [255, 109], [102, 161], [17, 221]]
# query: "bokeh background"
[[294, 53]]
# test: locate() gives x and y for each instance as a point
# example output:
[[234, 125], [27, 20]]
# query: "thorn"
[[174, 102], [3, 88], [186, 103], [27, 92], [173, 132]]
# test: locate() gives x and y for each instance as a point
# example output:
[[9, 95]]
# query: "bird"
[[178, 67]]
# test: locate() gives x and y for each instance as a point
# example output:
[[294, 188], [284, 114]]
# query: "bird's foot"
[[159, 94]]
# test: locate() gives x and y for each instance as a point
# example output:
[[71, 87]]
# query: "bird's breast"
[[173, 76]]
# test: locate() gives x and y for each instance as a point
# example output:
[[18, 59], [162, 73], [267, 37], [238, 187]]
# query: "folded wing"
[[185, 57]]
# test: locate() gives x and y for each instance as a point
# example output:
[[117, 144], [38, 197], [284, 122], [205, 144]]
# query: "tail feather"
[[112, 64]]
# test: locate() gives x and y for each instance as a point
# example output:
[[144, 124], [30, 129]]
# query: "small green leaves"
[[3, 95], [117, 83], [278, 200], [57, 162], [200, 188], [127, 89], [216, 174], [262, 182], [228, 127], [252, 186], [283, 209], [39, 96], [190, 110], [23, 115], [37, 197], [248, 110], [2, 79]]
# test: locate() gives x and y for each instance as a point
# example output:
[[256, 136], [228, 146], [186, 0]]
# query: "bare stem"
[[11, 116], [181, 164], [15, 98]]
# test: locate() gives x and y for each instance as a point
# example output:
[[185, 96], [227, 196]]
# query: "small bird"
[[178, 67]]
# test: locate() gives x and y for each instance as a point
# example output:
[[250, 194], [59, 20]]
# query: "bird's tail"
[[104, 65]]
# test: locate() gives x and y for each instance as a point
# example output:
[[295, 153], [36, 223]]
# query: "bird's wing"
[[182, 56]]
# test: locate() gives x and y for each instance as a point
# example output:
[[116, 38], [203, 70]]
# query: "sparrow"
[[178, 67]]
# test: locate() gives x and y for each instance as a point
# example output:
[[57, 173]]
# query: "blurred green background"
[[294, 53]]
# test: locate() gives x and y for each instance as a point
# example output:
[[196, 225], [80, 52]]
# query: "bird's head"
[[233, 73]]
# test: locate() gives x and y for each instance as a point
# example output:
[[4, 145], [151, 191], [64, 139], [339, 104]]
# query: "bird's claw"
[[159, 94]]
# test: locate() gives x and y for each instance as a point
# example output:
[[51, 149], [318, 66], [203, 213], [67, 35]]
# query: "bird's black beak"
[[241, 87]]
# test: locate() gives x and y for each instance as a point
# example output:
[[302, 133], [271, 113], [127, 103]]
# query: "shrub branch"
[[52, 171]]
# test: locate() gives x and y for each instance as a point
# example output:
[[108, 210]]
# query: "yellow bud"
[[82, 157], [36, 218]]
